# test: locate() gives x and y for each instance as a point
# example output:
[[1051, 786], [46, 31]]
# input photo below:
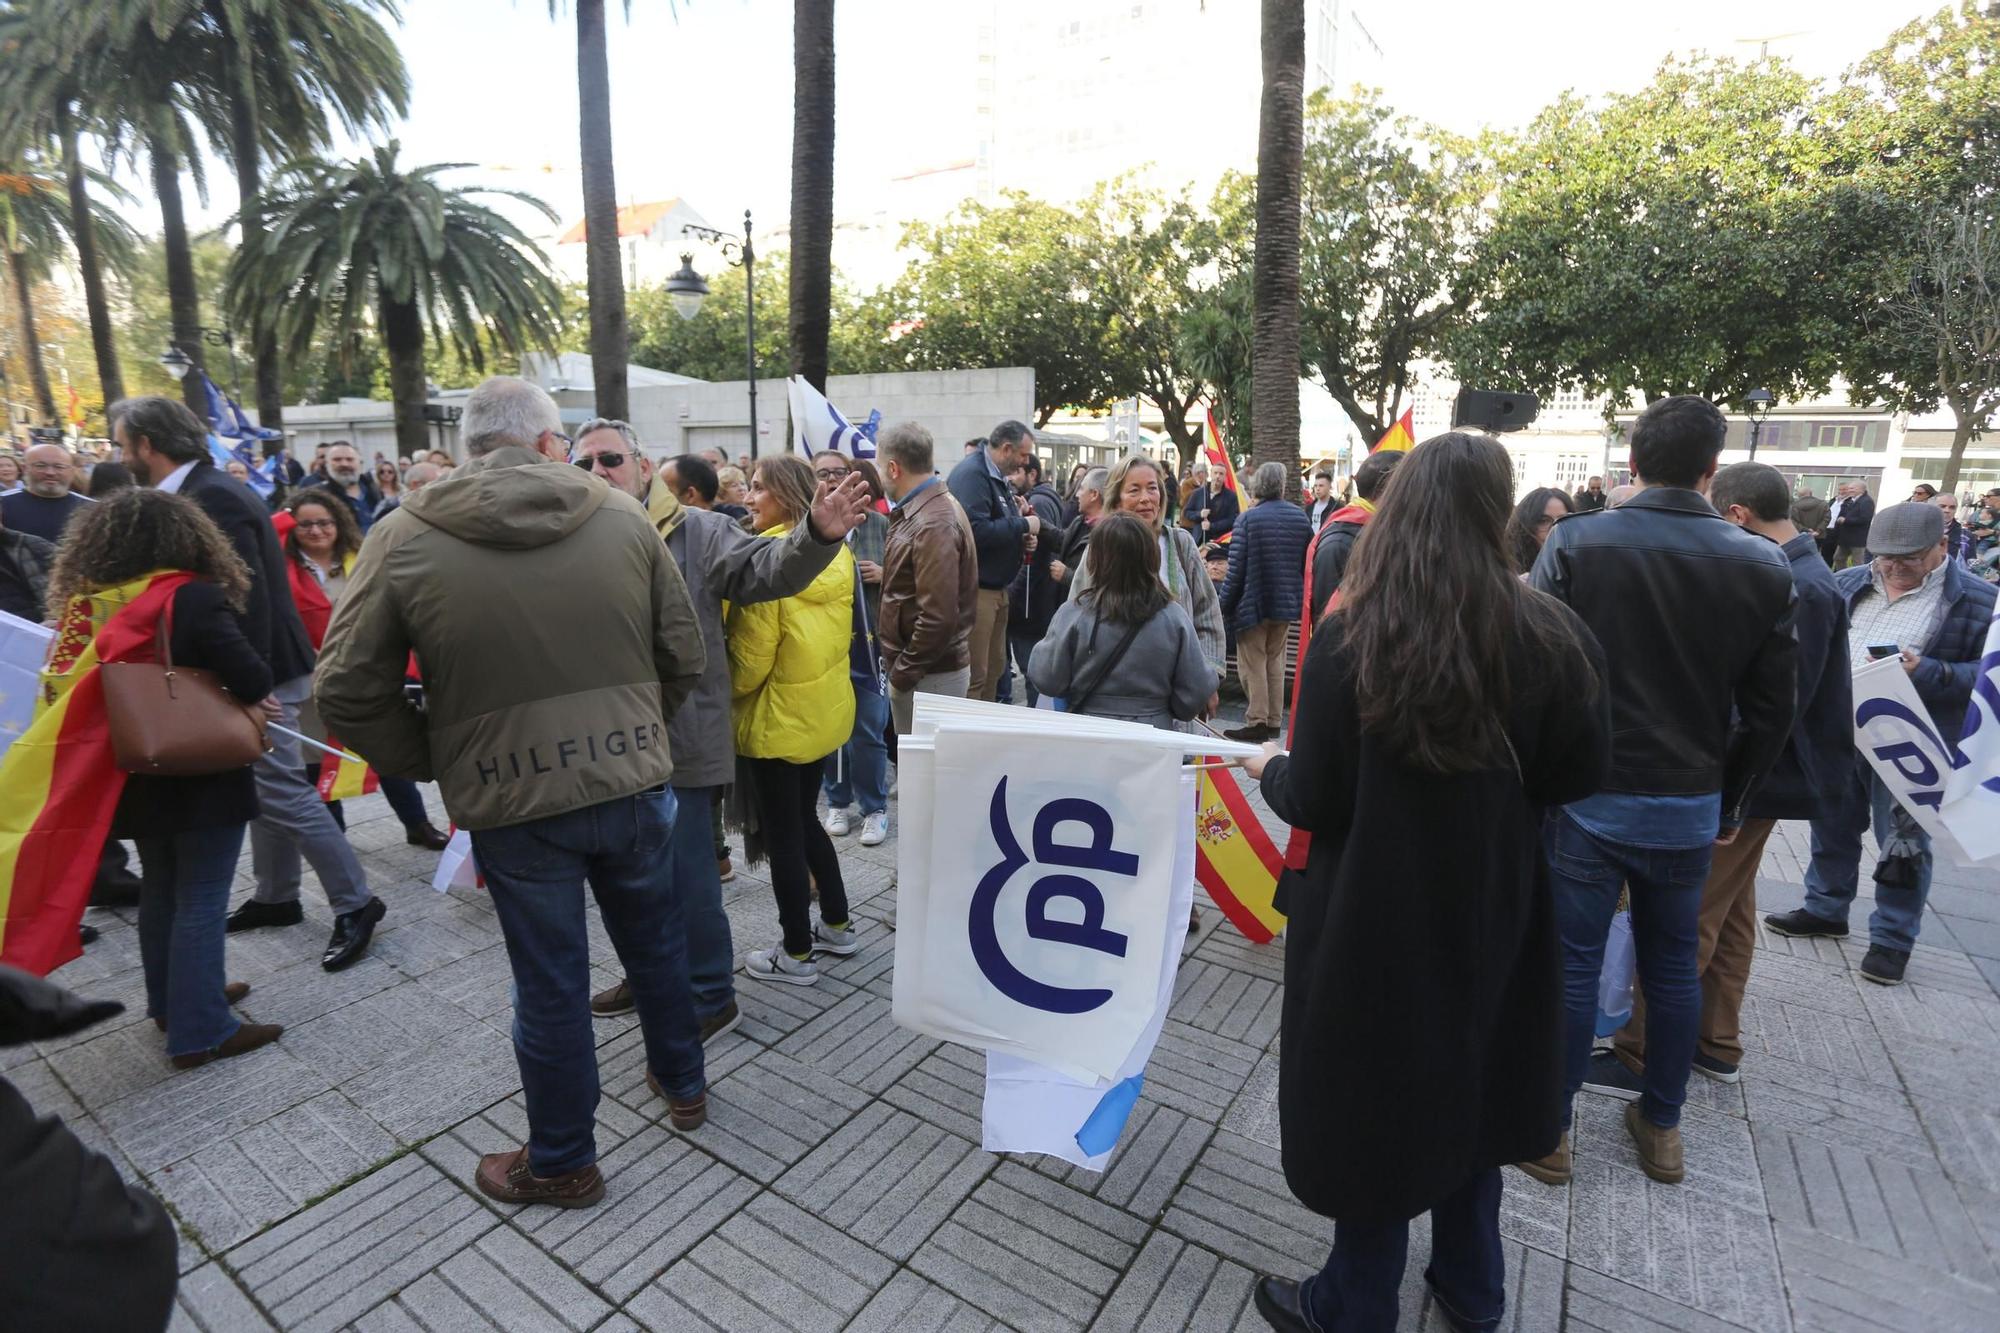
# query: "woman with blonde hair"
[[1135, 487], [792, 706], [133, 565]]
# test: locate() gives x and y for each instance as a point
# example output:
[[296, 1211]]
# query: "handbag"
[[174, 721]]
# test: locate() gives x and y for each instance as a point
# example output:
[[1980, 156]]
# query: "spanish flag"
[[1401, 437], [341, 778], [58, 783], [1234, 858], [1218, 457]]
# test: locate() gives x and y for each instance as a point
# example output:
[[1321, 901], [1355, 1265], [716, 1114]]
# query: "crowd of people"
[[1639, 683]]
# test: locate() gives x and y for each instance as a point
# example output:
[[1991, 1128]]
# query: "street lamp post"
[[178, 363], [1760, 407], [687, 289]]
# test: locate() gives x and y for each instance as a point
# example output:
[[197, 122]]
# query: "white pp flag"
[[24, 646], [1039, 921], [1952, 790], [817, 425]]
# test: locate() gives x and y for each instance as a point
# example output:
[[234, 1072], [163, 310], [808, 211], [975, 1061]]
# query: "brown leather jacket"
[[930, 588]]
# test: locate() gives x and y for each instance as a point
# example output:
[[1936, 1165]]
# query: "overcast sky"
[[702, 90]]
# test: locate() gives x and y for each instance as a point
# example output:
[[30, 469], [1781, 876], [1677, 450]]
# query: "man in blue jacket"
[[1935, 612], [1817, 758], [1003, 528]]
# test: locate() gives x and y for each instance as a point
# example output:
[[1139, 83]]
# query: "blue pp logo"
[[1089, 933]]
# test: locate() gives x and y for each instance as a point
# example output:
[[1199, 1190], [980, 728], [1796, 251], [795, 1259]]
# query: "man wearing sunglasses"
[[720, 562]]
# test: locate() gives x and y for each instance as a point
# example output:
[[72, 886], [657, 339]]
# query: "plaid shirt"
[[1908, 622], [25, 561]]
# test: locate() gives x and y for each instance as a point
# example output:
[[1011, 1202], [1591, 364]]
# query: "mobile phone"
[[1878, 651]]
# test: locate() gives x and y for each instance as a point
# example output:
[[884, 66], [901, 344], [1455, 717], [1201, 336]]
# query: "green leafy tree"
[[1917, 139], [1009, 284], [1274, 373], [1667, 241], [1391, 211], [371, 245], [36, 235], [710, 345], [1215, 343]]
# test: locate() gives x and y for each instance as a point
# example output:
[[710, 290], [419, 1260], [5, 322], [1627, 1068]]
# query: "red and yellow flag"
[[1234, 858], [342, 779], [1218, 457], [59, 785], [1401, 437]]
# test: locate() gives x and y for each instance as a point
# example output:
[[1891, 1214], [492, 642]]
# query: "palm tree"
[[35, 233], [812, 188], [368, 245], [1281, 136], [609, 349]]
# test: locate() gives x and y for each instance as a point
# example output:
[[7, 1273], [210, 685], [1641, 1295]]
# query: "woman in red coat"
[[321, 540]]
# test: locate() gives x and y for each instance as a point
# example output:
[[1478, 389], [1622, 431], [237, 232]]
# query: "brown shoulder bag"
[[176, 721]]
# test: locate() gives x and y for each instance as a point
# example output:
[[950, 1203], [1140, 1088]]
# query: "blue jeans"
[[711, 954], [183, 901], [535, 872], [1585, 873], [1357, 1290], [1832, 877], [862, 765]]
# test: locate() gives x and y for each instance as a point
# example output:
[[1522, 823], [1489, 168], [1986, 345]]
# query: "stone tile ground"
[[1852, 1181]]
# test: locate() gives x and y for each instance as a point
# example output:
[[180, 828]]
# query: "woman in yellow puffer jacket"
[[793, 705]]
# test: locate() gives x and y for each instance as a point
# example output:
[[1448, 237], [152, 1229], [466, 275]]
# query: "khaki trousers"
[[903, 703], [989, 644], [1726, 940], [1260, 662]]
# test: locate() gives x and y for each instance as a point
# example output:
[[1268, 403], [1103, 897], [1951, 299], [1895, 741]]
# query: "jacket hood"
[[1351, 514], [513, 498]]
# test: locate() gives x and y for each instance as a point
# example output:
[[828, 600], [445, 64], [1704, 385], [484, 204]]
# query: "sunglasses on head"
[[609, 460]]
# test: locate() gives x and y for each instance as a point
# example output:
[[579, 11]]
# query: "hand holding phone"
[[1878, 651]]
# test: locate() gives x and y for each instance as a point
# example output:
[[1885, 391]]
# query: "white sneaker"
[[837, 824], [875, 829], [834, 939], [777, 965]]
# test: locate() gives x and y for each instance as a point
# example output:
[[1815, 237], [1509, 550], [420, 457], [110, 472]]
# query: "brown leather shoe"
[[723, 870], [233, 992], [507, 1177], [1659, 1149], [245, 1039], [684, 1113], [1553, 1169], [613, 1002]]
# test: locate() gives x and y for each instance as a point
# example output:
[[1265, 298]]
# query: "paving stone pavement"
[[1850, 1182]]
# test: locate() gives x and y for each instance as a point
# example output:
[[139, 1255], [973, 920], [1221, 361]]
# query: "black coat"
[[997, 523], [206, 634], [271, 622], [1035, 596], [1819, 753], [1423, 1017], [1856, 516]]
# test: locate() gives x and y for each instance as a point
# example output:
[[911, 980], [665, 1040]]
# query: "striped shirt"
[[1910, 621]]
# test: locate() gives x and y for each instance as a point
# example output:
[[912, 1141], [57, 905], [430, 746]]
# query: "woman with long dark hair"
[[1533, 519], [321, 540], [1422, 1031], [163, 557]]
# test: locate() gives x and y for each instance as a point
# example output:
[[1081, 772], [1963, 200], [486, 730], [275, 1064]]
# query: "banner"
[[24, 646], [817, 425], [1952, 790], [1399, 438], [1236, 861]]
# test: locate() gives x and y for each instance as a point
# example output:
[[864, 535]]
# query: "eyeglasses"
[[1904, 561], [607, 461], [829, 473], [304, 524]]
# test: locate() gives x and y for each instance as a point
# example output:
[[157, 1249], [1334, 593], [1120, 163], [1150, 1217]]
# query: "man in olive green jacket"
[[555, 638]]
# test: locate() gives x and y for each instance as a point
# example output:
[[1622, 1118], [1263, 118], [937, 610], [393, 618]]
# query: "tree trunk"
[[609, 348], [181, 297], [812, 188], [1961, 435], [409, 390], [103, 338], [31, 347], [1274, 349], [244, 131]]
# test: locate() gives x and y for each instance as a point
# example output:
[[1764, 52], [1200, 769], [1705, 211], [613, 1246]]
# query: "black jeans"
[[798, 846], [1357, 1291]]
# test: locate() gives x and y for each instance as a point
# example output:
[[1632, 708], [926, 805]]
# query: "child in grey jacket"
[[1123, 648]]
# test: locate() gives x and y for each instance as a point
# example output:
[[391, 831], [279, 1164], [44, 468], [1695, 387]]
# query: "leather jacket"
[[1696, 619], [930, 588]]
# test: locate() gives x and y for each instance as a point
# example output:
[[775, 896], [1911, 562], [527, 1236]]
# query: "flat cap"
[[1905, 529]]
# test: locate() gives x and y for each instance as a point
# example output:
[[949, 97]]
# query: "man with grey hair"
[[930, 576], [1076, 537], [557, 640], [415, 478], [1911, 602], [44, 504], [1262, 595], [610, 449]]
